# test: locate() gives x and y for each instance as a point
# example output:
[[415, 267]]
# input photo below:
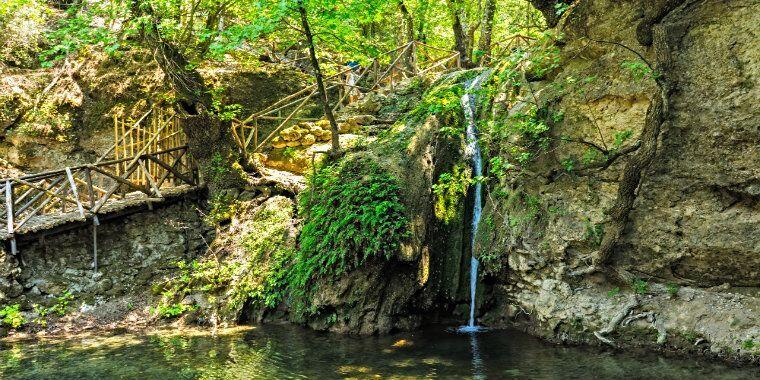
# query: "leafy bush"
[[352, 213], [443, 101], [640, 286], [11, 316], [171, 310]]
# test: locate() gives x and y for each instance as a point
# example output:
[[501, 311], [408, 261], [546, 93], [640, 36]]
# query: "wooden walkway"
[[385, 72], [149, 159], [148, 162]]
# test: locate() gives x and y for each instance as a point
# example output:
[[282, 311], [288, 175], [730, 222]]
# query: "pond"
[[289, 352]]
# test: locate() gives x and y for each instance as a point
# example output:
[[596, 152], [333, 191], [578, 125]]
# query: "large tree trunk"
[[486, 31], [408, 35], [210, 140], [318, 76], [422, 23], [460, 34], [547, 8]]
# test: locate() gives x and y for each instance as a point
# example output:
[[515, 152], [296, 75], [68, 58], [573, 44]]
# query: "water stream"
[[473, 151]]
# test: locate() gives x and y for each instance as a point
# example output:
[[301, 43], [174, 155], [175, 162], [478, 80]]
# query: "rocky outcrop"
[[424, 280], [694, 216], [63, 116], [134, 251]]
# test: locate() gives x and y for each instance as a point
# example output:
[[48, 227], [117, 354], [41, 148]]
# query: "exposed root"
[[615, 321], [650, 317]]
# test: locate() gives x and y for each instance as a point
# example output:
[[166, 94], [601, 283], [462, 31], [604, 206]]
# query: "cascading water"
[[473, 151]]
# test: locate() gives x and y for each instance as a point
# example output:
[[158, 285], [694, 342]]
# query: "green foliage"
[[443, 101], [560, 8], [594, 232], [60, 308], [168, 311], [568, 164], [78, 30], [621, 137], [639, 70], [613, 292], [749, 344], [672, 289], [221, 208], [640, 286], [11, 316], [450, 191], [352, 213], [290, 153]]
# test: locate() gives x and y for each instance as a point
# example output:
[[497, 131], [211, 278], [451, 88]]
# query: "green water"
[[287, 352]]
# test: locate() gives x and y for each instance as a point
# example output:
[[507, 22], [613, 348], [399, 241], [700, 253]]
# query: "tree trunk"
[[210, 140], [486, 31], [318, 76], [547, 8], [421, 35], [460, 35], [409, 36]]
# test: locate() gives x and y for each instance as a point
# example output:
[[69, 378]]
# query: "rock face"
[[695, 219], [133, 252], [422, 281], [72, 122]]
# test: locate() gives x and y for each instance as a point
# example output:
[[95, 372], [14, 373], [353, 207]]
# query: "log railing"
[[82, 191], [386, 71]]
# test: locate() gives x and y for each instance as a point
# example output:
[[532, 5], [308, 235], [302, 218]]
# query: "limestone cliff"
[[683, 271]]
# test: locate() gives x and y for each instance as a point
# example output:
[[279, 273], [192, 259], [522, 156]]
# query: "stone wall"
[[134, 250]]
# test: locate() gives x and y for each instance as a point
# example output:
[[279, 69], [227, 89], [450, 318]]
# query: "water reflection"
[[478, 371], [286, 352]]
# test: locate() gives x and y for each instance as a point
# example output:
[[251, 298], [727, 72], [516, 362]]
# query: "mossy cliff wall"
[[686, 267], [423, 280]]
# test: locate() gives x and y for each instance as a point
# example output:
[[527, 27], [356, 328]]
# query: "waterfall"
[[473, 151]]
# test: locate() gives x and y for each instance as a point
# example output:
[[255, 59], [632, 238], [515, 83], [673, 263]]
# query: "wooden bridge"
[[149, 159], [384, 72], [147, 163]]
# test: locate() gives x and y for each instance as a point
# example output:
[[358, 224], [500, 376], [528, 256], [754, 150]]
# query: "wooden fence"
[[84, 190], [390, 68]]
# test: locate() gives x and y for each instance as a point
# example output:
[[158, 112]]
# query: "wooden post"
[[95, 224], [9, 205], [90, 187], [73, 186]]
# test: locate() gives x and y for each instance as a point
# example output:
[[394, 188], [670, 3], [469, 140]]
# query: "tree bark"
[[460, 34], [547, 8], [421, 35], [210, 140], [409, 35], [318, 76], [486, 31]]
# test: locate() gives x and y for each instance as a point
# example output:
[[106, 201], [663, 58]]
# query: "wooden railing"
[[390, 68], [82, 191]]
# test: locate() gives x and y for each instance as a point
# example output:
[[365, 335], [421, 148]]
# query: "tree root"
[[615, 321], [623, 318], [651, 317]]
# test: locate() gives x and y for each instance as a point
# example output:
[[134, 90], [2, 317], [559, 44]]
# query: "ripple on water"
[[288, 352]]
